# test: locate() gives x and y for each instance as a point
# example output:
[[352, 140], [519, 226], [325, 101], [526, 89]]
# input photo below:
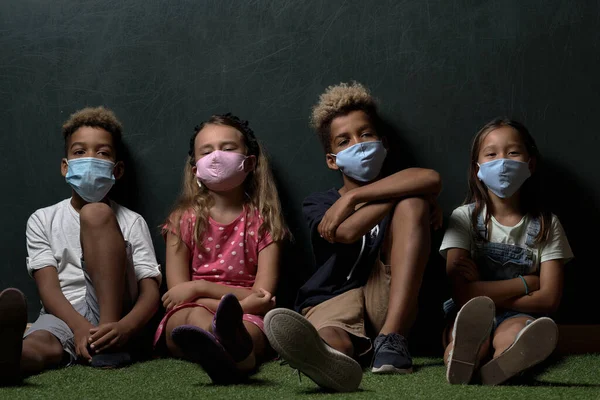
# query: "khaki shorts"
[[361, 312]]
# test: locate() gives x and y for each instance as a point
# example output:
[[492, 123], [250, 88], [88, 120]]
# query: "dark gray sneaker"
[[390, 355]]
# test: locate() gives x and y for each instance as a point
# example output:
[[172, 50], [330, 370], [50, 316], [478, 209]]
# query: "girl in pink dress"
[[222, 253]]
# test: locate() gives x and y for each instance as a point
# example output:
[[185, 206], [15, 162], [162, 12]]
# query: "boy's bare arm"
[[356, 225], [144, 307], [114, 335], [56, 303], [344, 223], [409, 182]]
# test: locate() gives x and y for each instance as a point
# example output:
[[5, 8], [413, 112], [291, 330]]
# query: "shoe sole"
[[473, 325], [200, 347], [228, 328], [535, 343], [13, 320], [299, 343], [390, 369]]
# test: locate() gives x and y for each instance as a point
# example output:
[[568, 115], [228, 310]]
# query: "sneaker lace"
[[296, 370], [397, 342]]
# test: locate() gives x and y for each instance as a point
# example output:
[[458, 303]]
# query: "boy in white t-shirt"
[[92, 260]]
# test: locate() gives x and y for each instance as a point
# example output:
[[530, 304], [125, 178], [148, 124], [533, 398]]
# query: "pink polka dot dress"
[[228, 254]]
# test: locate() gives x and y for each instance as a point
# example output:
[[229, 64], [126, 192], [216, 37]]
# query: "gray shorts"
[[89, 309]]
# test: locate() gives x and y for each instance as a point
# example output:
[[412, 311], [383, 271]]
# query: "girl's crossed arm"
[[182, 289], [466, 285], [547, 298]]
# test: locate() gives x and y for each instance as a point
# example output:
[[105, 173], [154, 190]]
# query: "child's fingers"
[[107, 345], [167, 301], [83, 351], [103, 341], [98, 333]]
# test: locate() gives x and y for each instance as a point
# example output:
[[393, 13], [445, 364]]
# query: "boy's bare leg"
[[407, 252], [337, 338], [105, 258], [41, 351]]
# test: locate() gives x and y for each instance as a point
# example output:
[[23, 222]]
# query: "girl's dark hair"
[[530, 192]]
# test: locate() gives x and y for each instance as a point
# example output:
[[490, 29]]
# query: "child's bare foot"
[[228, 327], [13, 319]]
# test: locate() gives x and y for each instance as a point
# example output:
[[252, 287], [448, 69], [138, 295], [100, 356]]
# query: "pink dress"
[[228, 255]]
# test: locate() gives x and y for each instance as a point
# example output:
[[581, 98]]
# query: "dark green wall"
[[440, 68]]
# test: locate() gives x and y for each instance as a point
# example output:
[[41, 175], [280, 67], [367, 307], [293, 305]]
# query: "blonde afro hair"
[[338, 100]]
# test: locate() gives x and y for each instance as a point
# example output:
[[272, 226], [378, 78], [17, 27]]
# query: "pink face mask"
[[221, 170]]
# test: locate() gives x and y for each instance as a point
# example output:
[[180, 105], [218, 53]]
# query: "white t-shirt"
[[53, 240], [460, 235]]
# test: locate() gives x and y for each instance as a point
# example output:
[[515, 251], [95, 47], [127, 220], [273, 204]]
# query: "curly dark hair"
[[95, 117], [227, 120]]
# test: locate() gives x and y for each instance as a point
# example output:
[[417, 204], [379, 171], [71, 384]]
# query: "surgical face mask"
[[221, 170], [362, 161], [504, 177], [91, 178]]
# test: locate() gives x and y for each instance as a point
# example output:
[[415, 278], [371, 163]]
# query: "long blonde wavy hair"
[[259, 186]]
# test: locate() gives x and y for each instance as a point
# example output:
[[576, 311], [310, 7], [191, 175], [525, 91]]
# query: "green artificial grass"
[[575, 377]]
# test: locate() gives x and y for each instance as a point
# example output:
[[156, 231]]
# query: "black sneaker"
[[13, 319], [391, 355]]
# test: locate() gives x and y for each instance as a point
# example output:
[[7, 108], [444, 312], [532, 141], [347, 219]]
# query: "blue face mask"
[[362, 161], [503, 176], [92, 178]]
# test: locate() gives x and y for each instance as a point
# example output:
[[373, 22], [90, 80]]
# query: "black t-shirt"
[[340, 267]]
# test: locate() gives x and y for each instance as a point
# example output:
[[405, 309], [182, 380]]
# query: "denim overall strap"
[[481, 229], [533, 229]]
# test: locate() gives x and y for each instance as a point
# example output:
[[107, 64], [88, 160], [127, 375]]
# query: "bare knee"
[[96, 215], [338, 339], [412, 207], [42, 347]]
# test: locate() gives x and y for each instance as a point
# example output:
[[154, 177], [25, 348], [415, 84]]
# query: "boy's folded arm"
[[406, 183], [547, 299], [362, 221], [55, 302], [144, 308]]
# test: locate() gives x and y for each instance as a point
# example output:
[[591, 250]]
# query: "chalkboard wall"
[[440, 69]]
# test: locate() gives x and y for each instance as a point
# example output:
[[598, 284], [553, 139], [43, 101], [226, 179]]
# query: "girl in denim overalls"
[[504, 257]]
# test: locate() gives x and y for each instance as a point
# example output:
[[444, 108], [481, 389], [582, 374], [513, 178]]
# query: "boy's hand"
[[466, 268], [112, 335], [337, 213], [258, 303], [182, 293], [82, 334]]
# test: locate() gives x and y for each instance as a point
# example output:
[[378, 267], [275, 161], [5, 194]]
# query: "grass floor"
[[575, 377]]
